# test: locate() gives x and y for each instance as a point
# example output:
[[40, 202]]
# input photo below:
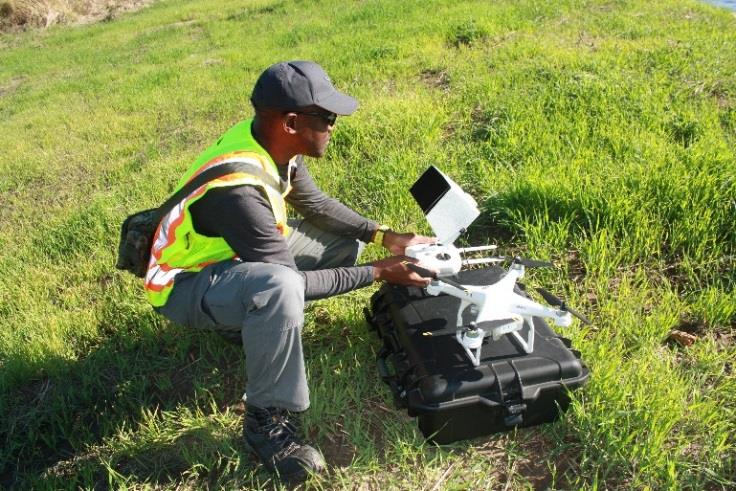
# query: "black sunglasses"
[[328, 118]]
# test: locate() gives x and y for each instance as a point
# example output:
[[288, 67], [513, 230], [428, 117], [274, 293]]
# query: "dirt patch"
[[450, 129], [68, 469], [691, 329], [540, 458], [337, 444], [691, 325], [337, 447], [378, 413], [575, 266], [21, 15], [10, 86], [723, 334], [587, 40], [725, 339], [436, 78]]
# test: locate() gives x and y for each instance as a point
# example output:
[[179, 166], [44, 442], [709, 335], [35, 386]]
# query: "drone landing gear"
[[471, 337], [526, 344]]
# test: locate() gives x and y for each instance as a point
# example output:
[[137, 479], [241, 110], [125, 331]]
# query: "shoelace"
[[283, 434]]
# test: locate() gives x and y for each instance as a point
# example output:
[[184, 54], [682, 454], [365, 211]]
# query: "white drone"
[[497, 308]]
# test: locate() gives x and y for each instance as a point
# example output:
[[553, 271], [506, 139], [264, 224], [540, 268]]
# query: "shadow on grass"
[[55, 423]]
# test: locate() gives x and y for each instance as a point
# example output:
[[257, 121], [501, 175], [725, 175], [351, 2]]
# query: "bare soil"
[[22, 15]]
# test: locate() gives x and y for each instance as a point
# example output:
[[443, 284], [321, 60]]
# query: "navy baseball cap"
[[292, 85]]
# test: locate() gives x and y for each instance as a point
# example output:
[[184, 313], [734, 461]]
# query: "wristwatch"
[[378, 234]]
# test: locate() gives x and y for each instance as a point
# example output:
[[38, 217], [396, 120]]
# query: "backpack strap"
[[203, 178]]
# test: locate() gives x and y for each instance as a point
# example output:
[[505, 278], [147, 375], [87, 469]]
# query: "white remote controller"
[[445, 259]]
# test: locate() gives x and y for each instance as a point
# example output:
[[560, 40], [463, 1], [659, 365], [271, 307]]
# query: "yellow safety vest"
[[177, 247]]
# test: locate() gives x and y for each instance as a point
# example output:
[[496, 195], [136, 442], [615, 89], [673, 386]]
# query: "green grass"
[[598, 134]]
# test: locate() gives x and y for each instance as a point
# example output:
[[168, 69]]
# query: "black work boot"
[[273, 437]]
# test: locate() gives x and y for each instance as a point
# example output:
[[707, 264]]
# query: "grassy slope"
[[600, 134]]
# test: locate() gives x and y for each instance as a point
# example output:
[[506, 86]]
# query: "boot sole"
[[298, 476]]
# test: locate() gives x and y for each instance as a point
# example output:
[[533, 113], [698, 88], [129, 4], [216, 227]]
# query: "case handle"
[[390, 379]]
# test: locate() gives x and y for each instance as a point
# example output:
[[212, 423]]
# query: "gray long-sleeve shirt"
[[243, 217]]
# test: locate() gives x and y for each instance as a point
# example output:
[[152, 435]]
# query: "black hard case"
[[430, 374]]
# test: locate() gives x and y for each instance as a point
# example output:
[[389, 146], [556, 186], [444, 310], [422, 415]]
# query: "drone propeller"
[[483, 260], [532, 263], [426, 273], [529, 263], [556, 301]]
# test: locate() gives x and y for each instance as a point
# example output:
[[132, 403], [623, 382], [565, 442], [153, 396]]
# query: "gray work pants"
[[264, 303]]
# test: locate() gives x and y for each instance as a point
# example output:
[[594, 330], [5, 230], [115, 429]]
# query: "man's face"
[[314, 127]]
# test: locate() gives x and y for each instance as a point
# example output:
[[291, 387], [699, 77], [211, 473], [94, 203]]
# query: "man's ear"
[[290, 124]]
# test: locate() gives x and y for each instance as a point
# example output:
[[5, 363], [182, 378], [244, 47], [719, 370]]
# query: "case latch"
[[515, 414]]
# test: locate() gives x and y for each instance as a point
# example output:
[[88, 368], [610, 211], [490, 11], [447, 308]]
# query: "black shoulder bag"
[[136, 233]]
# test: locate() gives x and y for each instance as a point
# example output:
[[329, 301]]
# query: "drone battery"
[[430, 374]]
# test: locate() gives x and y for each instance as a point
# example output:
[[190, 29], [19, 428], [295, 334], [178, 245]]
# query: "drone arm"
[[455, 289], [524, 306]]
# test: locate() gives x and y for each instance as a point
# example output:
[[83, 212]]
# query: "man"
[[226, 258]]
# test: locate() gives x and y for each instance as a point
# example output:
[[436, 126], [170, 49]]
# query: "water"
[[729, 4]]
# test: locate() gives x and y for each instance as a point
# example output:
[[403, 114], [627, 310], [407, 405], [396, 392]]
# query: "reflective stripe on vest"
[[177, 247]]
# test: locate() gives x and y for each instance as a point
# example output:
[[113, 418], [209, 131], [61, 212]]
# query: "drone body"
[[497, 308]]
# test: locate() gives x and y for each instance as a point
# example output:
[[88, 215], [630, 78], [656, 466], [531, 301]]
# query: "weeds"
[[467, 34], [30, 14], [599, 135]]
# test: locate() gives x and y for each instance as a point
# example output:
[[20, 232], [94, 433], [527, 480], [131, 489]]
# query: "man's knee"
[[283, 295]]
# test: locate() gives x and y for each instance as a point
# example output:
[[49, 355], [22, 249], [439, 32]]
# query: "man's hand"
[[397, 243], [394, 270]]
